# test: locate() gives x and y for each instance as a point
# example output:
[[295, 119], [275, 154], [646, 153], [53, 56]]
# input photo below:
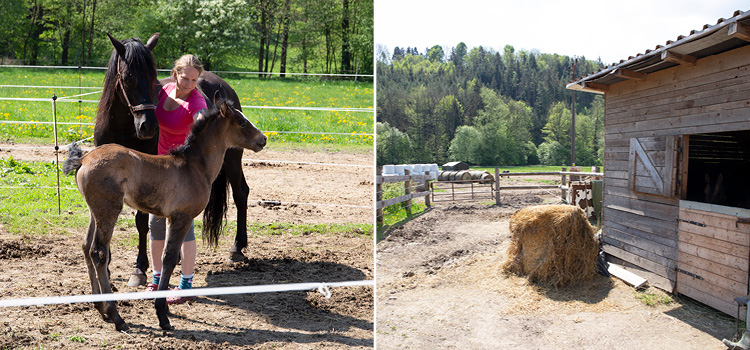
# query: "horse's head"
[[133, 72], [714, 192], [241, 132]]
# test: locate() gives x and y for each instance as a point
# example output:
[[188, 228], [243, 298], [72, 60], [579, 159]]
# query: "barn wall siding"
[[712, 96]]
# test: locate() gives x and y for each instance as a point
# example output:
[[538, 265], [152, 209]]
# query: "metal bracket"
[[688, 273], [692, 222]]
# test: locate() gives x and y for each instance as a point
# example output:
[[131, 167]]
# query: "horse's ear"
[[151, 43], [224, 109], [216, 97], [119, 47]]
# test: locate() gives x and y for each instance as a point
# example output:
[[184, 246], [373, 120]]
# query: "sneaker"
[[179, 300], [150, 287]]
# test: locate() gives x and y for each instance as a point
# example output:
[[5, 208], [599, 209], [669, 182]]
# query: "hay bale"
[[552, 244]]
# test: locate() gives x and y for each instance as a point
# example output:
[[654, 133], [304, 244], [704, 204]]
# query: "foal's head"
[[130, 78], [241, 133], [233, 128]]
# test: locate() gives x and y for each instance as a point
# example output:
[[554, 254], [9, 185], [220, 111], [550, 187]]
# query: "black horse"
[[126, 117]]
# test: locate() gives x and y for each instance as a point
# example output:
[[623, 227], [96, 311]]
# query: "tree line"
[[325, 36], [484, 107]]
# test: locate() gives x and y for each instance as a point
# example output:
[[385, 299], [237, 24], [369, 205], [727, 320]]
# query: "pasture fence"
[[322, 287], [69, 99], [572, 188], [415, 186], [575, 186], [217, 71]]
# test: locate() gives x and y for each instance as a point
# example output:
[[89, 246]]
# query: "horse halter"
[[133, 109]]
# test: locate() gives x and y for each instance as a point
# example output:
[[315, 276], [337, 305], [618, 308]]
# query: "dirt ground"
[[439, 286], [53, 265], [307, 193]]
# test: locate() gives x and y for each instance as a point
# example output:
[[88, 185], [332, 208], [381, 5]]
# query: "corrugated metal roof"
[[711, 40]]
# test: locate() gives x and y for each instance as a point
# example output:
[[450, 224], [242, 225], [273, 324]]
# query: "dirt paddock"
[[440, 287], [52, 265]]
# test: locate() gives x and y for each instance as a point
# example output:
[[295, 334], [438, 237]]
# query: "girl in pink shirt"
[[180, 103]]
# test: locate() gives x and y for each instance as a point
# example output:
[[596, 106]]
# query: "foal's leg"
[[179, 225], [87, 242], [105, 217], [138, 276], [240, 191]]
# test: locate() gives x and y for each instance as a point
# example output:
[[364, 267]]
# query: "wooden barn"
[[676, 205]]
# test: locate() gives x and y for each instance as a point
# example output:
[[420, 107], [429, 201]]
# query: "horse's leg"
[[99, 253], [176, 232], [87, 242], [240, 191], [138, 276]]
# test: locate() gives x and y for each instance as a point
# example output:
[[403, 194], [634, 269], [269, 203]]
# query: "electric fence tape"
[[322, 287]]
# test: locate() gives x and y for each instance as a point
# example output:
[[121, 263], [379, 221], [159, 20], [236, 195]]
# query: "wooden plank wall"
[[717, 254], [712, 96]]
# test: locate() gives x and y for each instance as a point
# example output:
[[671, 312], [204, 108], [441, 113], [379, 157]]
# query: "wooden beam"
[[630, 74], [626, 276], [595, 86], [739, 31], [678, 58]]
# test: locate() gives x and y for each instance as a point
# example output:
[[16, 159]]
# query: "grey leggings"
[[158, 228]]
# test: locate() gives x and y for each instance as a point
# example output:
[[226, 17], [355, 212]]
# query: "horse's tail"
[[216, 209], [74, 161]]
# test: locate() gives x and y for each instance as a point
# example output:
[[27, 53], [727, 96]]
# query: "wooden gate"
[[713, 254]]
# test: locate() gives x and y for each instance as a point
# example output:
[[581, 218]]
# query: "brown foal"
[[175, 186]]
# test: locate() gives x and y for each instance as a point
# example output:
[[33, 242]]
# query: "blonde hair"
[[186, 61]]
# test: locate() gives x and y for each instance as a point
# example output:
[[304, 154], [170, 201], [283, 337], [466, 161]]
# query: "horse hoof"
[[237, 257], [122, 327], [137, 278], [166, 327]]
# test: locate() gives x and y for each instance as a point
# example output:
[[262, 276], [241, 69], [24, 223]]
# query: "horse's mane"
[[198, 127], [139, 60]]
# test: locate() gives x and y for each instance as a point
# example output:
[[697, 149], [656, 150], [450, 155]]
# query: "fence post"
[[57, 152], [497, 186], [379, 194], [427, 197], [407, 190], [563, 183]]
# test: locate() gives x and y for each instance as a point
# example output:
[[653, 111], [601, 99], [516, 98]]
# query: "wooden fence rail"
[[408, 195], [566, 179]]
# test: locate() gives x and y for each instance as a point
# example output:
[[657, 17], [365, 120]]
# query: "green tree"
[[11, 26], [553, 153], [558, 124], [436, 54], [465, 145], [393, 146]]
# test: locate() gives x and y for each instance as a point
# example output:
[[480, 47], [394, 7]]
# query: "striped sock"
[[157, 277], [186, 282]]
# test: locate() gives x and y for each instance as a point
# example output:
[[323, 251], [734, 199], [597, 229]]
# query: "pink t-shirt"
[[174, 126]]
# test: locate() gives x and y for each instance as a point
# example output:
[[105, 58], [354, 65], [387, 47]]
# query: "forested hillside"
[[325, 36], [484, 107]]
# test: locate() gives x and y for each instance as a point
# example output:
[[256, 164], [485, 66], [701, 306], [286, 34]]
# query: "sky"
[[610, 30]]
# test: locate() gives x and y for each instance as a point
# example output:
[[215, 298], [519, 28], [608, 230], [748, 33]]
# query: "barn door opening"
[[714, 239]]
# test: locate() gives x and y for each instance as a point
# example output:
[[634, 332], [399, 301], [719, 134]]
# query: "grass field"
[[253, 91]]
